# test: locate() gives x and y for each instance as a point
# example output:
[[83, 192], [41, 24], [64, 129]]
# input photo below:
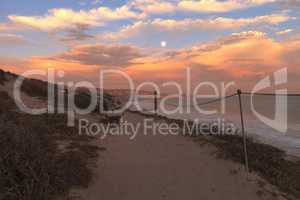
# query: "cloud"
[[73, 23], [10, 27], [58, 19], [289, 3], [219, 6], [76, 34], [15, 65], [226, 59], [229, 58], [13, 62], [284, 32], [204, 6], [101, 55], [234, 38], [189, 25], [5, 27], [242, 54], [11, 39], [249, 54], [149, 7]]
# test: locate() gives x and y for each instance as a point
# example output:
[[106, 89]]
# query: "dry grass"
[[5, 102], [38, 88], [35, 88], [31, 165], [2, 77], [268, 161]]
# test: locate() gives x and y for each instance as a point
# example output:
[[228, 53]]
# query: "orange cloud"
[[14, 65], [247, 54], [68, 66], [11, 39], [81, 60], [243, 57], [166, 69], [242, 54], [284, 32], [9, 27], [102, 55]]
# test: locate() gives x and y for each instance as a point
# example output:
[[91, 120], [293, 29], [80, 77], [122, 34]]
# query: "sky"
[[218, 40]]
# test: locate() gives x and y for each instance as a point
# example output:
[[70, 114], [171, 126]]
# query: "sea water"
[[288, 141]]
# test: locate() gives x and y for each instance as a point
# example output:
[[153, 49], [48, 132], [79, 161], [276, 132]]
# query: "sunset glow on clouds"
[[66, 18], [220, 6], [190, 25], [232, 40]]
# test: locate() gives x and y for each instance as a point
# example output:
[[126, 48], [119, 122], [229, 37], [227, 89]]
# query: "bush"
[[267, 160], [35, 88], [31, 165], [2, 77], [6, 102]]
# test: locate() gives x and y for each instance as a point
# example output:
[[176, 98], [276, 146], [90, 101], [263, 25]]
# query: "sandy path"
[[165, 167]]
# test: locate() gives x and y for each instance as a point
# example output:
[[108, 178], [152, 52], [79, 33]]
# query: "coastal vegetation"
[[40, 157]]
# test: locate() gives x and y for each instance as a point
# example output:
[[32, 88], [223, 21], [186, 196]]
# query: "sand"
[[167, 167], [162, 167]]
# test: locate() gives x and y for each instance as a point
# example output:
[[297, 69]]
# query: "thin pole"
[[155, 102], [239, 92], [55, 98]]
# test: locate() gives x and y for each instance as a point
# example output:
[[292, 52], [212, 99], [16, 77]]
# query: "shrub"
[[2, 77], [31, 165], [6, 102], [35, 88], [267, 160]]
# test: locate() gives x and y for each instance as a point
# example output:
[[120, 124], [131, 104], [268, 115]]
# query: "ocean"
[[288, 141]]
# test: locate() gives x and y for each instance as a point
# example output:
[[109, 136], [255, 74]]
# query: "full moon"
[[163, 43]]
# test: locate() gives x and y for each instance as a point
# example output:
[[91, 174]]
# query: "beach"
[[288, 141], [168, 167], [148, 156]]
